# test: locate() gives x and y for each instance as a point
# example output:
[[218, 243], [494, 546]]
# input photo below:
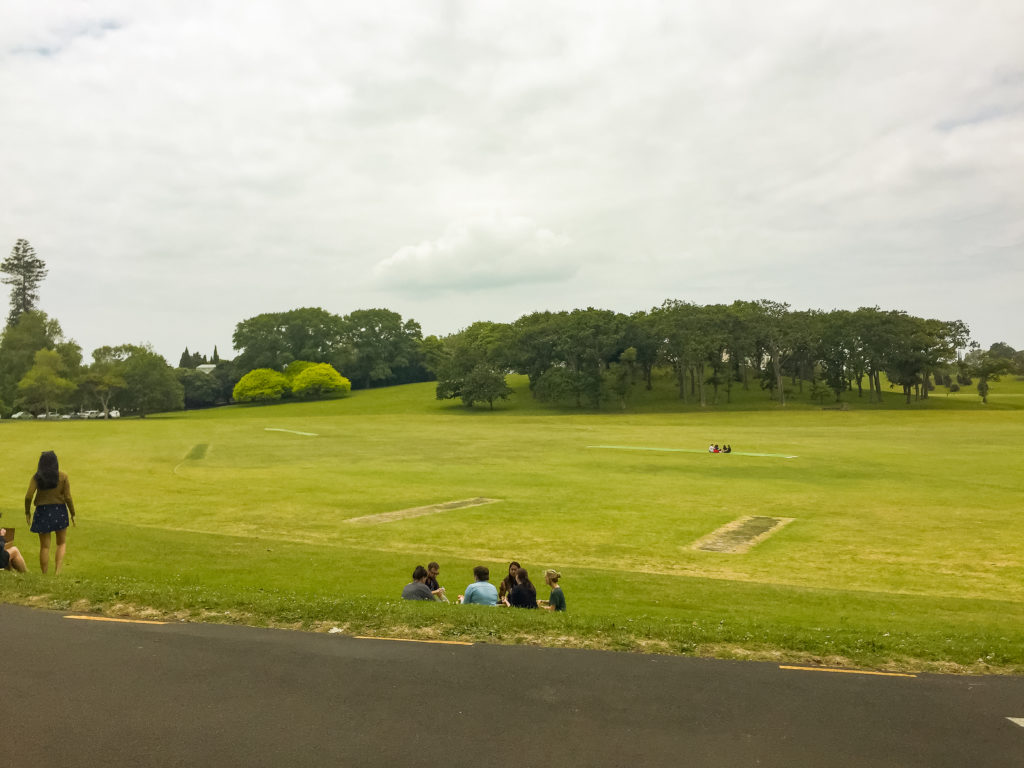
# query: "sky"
[[182, 166]]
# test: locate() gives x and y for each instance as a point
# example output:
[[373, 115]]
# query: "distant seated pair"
[[424, 584]]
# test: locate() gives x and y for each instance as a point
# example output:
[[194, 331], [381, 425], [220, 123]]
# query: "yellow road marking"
[[847, 671], [409, 640], [121, 621]]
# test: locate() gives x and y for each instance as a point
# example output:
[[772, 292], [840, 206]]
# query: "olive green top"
[[59, 495]]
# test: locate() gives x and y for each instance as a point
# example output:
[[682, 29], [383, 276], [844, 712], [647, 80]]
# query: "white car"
[[115, 414]]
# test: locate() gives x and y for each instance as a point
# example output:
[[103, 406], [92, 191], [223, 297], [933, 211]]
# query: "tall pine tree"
[[25, 271]]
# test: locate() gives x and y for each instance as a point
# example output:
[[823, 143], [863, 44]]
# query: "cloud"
[[484, 252], [157, 154]]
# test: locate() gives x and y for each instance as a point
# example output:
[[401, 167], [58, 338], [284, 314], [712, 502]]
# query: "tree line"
[[585, 357]]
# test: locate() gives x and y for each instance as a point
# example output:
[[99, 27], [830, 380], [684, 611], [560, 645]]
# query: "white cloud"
[[485, 252], [218, 164]]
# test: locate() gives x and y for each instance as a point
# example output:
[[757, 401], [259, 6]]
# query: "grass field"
[[906, 551]]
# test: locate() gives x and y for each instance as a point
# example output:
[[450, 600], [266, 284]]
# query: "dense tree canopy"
[[584, 356], [372, 347]]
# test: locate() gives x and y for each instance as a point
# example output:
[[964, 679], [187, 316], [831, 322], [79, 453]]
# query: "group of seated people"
[[516, 590], [713, 448]]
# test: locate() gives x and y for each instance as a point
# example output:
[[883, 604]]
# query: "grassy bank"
[[903, 551]]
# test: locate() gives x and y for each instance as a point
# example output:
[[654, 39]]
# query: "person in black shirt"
[[523, 594], [433, 569]]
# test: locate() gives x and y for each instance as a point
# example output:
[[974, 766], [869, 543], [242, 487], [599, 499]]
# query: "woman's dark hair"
[[419, 573], [510, 581], [47, 474], [524, 578]]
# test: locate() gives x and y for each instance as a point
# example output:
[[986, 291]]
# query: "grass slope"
[[905, 551]]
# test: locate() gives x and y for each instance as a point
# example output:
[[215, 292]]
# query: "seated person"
[[711, 448], [433, 569], [481, 591], [726, 449], [10, 557], [556, 602], [417, 589], [508, 582], [523, 594]]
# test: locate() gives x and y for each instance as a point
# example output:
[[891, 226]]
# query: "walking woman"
[[51, 492]]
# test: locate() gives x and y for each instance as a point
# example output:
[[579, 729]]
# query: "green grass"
[[906, 551]]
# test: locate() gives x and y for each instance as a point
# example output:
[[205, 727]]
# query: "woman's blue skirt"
[[50, 517]]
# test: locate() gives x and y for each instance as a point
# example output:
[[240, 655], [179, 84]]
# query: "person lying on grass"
[[523, 594], [417, 589], [481, 591], [556, 602]]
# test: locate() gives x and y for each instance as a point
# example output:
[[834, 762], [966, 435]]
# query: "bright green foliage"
[[262, 385], [318, 381], [43, 388], [295, 367]]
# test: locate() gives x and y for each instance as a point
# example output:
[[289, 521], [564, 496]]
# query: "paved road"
[[91, 693]]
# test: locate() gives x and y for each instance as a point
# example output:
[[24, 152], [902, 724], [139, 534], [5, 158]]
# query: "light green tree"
[[320, 380], [43, 387], [263, 385]]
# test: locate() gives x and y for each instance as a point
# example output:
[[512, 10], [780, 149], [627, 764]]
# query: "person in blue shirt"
[[481, 591]]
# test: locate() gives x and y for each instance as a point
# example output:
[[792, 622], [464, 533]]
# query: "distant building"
[[206, 367]]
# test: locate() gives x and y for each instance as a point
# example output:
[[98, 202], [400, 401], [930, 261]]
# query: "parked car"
[[115, 414], [90, 414], [22, 415]]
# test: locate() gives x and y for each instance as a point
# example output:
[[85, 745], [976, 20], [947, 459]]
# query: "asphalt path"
[[81, 692]]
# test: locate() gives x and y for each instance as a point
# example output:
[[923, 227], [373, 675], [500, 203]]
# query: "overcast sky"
[[181, 166]]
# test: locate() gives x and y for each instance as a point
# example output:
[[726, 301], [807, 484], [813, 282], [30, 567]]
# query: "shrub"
[[319, 381], [262, 385], [295, 367]]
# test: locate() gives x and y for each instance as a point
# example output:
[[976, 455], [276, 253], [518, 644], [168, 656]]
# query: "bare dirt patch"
[[742, 534], [431, 509]]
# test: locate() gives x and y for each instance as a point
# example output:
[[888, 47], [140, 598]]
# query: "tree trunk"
[[777, 364]]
